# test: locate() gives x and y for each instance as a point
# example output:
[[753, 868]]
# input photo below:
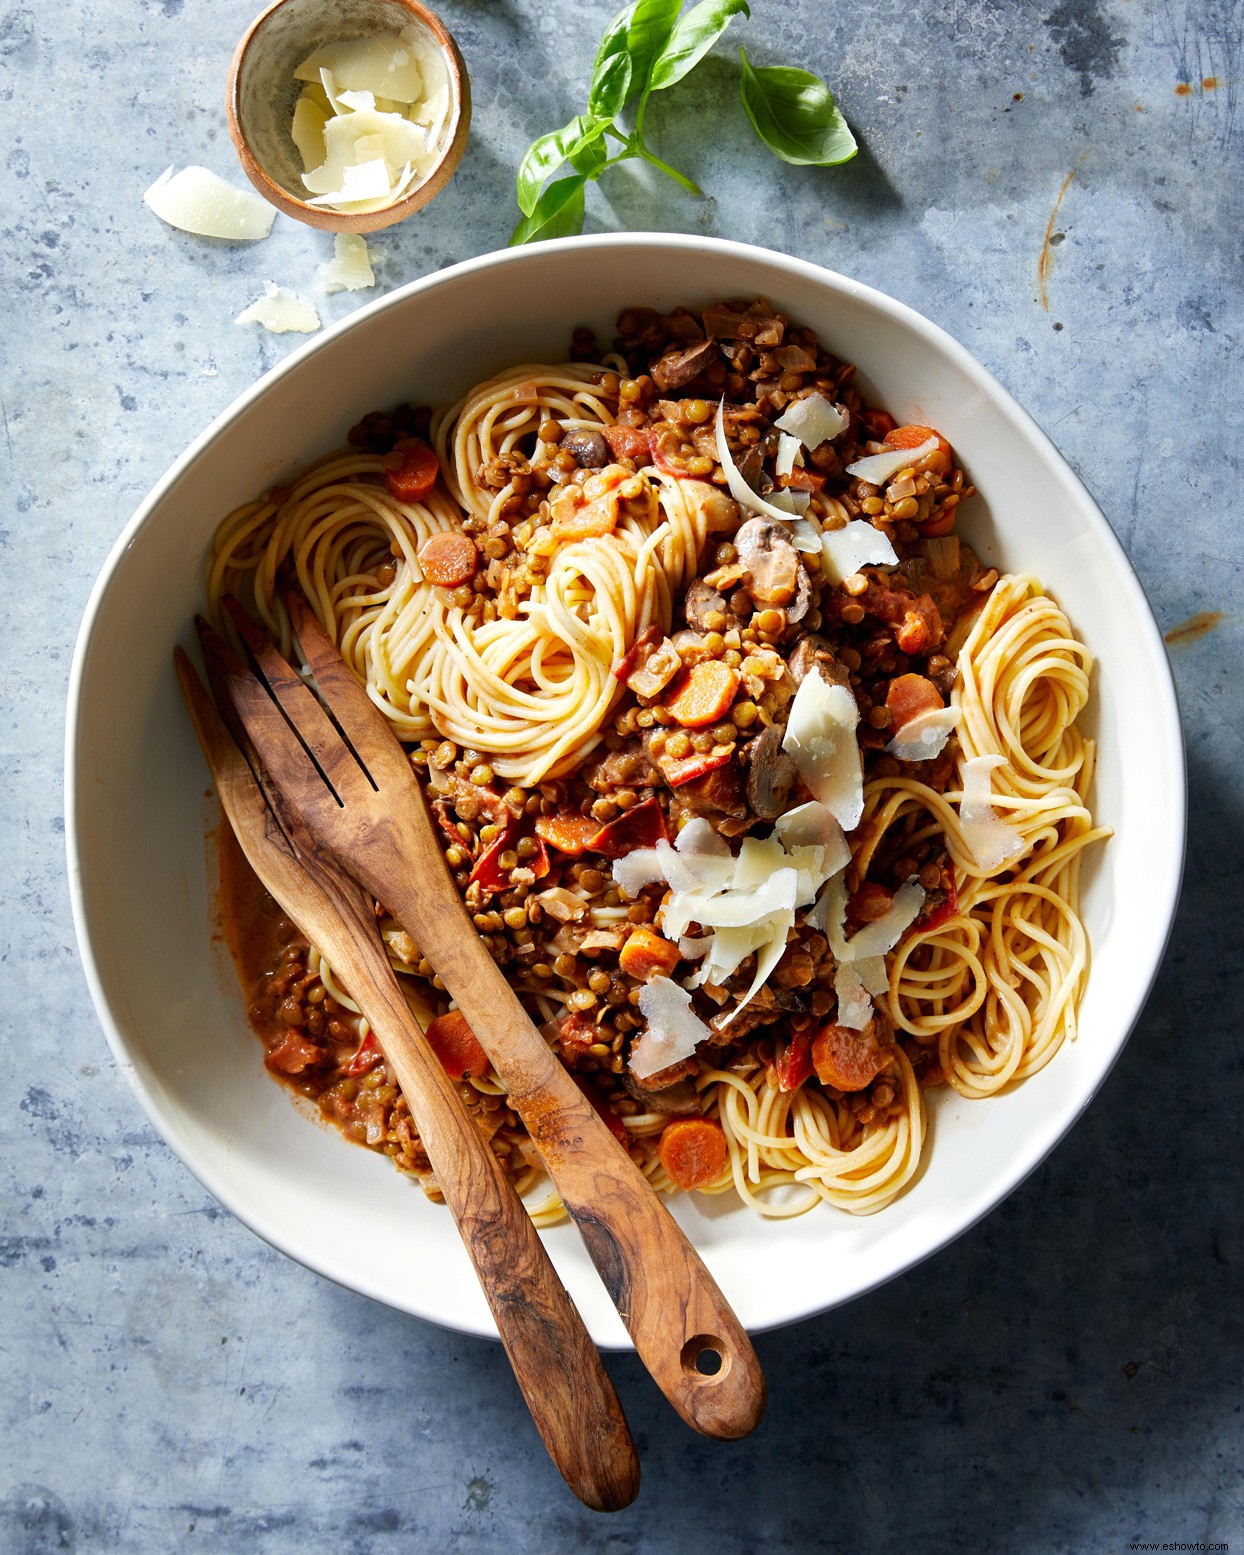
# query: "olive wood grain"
[[377, 824], [559, 1370]]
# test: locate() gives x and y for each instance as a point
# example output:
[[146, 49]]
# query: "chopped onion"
[[196, 200], [876, 469]]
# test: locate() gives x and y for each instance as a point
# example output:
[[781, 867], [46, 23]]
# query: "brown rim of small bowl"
[[365, 221]]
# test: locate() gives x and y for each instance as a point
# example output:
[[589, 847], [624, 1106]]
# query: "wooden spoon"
[[559, 1370]]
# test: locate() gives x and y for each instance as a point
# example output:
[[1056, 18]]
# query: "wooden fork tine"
[[302, 708], [364, 725], [259, 726]]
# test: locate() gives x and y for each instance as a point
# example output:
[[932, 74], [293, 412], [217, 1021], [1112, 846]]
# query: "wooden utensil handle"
[[697, 1351], [559, 1370]]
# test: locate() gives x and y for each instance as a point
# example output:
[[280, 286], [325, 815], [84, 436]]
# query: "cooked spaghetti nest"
[[532, 686]]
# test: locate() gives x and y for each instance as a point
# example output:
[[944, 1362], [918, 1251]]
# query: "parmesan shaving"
[[872, 973], [349, 270], [674, 1029], [876, 469], [993, 841], [924, 736], [820, 736], [855, 1008], [813, 420], [383, 64], [789, 454], [844, 551], [875, 939], [281, 313], [782, 508], [196, 200]]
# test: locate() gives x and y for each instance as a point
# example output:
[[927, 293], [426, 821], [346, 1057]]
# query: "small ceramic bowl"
[[262, 94]]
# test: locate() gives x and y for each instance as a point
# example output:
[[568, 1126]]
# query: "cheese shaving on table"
[[924, 736], [876, 469], [196, 200], [858, 544], [674, 1029], [820, 736], [992, 840], [349, 270], [813, 420], [281, 312]]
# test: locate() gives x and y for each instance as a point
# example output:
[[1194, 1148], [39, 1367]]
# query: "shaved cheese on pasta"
[[196, 200], [924, 736], [805, 536], [872, 973], [789, 453], [813, 420], [783, 506], [993, 841], [820, 736], [281, 313], [638, 868], [876, 469], [844, 551], [855, 1008], [674, 1029], [874, 939]]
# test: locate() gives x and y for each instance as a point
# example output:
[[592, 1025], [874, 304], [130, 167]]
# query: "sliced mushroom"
[[681, 1096], [678, 368], [771, 776], [589, 449], [702, 605], [814, 652], [772, 563]]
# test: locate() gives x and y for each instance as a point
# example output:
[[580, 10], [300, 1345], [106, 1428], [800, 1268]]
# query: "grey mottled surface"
[[1068, 1376]]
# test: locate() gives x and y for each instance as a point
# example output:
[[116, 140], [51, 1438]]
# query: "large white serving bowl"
[[137, 814]]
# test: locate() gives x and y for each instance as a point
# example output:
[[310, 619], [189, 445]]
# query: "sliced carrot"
[[569, 834], [908, 696], [693, 1152], [589, 523], [877, 423], [802, 480], [416, 475], [704, 694], [646, 954], [913, 435], [941, 523], [456, 1045], [848, 1060], [448, 559]]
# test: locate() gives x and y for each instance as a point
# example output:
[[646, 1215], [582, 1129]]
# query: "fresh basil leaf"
[[611, 72], [558, 213], [691, 40], [794, 113], [590, 154], [544, 156], [651, 24]]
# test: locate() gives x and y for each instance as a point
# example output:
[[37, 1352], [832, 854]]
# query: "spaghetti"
[[622, 658]]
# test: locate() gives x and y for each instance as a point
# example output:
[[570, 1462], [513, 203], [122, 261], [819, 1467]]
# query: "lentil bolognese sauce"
[[767, 793]]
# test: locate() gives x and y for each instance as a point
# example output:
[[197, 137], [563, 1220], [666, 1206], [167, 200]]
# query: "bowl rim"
[[1163, 693], [326, 219]]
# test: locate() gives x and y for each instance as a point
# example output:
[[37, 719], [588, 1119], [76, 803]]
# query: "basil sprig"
[[648, 47]]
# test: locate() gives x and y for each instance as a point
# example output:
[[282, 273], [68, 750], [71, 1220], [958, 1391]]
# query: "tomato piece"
[[456, 1045], [794, 1064], [487, 871], [693, 1151], [676, 773], [627, 443], [909, 695], [849, 1060], [569, 834], [646, 954], [702, 694], [575, 1034], [642, 826], [367, 1056], [448, 559], [416, 473], [294, 1053]]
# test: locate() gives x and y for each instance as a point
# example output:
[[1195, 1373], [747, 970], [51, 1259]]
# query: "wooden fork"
[[348, 782], [558, 1368]]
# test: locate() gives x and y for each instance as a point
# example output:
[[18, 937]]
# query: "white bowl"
[[136, 809]]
